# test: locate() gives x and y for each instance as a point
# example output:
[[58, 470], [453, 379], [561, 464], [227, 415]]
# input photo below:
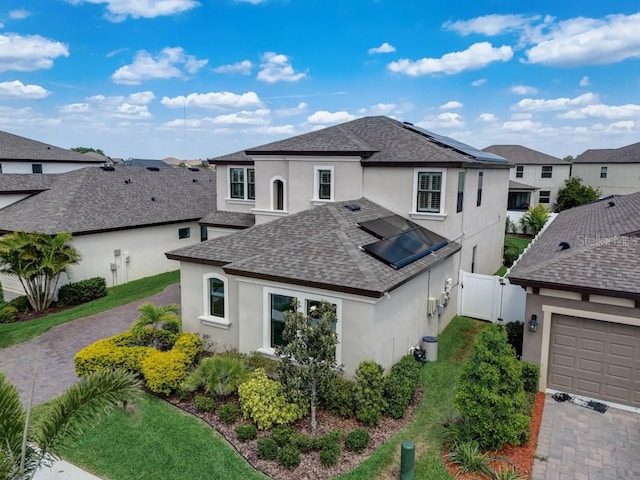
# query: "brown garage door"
[[595, 359]]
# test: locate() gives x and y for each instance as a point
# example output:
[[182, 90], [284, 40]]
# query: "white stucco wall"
[[622, 178], [532, 175], [47, 167]]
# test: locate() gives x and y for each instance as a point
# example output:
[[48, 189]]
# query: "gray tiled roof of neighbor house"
[[92, 200], [16, 148], [627, 154], [603, 255], [379, 141], [319, 247], [25, 182], [520, 186], [519, 155], [237, 220]]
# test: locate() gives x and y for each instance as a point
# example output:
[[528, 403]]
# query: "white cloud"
[[452, 105], [28, 53], [589, 41], [76, 108], [487, 117], [443, 120], [101, 108], [18, 90], [384, 48], [523, 90], [276, 130], [526, 126], [521, 116], [213, 100], [479, 82], [277, 67], [490, 25], [324, 117], [165, 65], [584, 81], [243, 68], [19, 14], [142, 98], [603, 111], [289, 112], [555, 104], [128, 110], [245, 117], [119, 10], [477, 56]]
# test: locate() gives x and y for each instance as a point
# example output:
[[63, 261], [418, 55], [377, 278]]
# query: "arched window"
[[216, 299], [278, 198]]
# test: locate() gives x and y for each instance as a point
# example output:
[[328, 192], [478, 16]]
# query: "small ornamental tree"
[[490, 392], [309, 354], [38, 260], [156, 319], [574, 193], [535, 218]]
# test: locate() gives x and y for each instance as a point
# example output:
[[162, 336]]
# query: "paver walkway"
[[54, 350], [577, 443]]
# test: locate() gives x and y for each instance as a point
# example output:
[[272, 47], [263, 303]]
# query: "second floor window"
[[324, 184], [603, 172], [36, 168], [429, 192], [480, 178], [460, 199], [242, 183], [547, 171], [519, 171]]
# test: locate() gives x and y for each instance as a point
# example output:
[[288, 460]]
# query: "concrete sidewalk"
[[62, 470]]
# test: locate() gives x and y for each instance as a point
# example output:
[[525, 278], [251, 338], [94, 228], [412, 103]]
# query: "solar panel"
[[459, 146], [402, 241]]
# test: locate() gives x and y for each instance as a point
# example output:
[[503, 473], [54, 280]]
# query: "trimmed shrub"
[[21, 303], [490, 393], [189, 344], [267, 449], [369, 392], [256, 360], [246, 432], [219, 375], [107, 353], [510, 254], [339, 397], [515, 334], [357, 440], [82, 292], [163, 372], [334, 436], [330, 454], [282, 434], [264, 402], [204, 403], [289, 457], [8, 313], [304, 443], [229, 412], [164, 339], [400, 386], [530, 377]]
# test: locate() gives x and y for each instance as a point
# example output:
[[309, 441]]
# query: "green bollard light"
[[407, 461]]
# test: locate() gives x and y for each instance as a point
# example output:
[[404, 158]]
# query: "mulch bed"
[[310, 467], [32, 315], [521, 457]]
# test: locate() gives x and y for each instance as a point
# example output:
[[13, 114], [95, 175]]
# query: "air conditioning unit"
[[432, 306]]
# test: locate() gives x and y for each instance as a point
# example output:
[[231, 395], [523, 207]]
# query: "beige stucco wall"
[[622, 179], [532, 175]]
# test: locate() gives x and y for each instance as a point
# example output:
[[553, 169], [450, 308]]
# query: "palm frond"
[[12, 419]]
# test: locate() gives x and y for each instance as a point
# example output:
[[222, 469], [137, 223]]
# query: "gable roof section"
[[319, 247], [91, 200], [604, 253], [378, 141], [513, 185], [238, 220], [16, 148], [627, 154], [519, 155]]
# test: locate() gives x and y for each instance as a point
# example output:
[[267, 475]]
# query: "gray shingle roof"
[[318, 247], [219, 218], [627, 154], [378, 140], [25, 182], [91, 199], [513, 185], [604, 254], [519, 155], [14, 147]]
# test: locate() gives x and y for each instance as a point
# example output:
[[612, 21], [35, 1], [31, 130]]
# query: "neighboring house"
[[536, 177], [615, 171], [144, 163], [23, 155], [122, 219], [311, 198], [582, 277]]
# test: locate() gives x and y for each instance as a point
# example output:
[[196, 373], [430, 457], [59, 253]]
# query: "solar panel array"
[[402, 241], [459, 146]]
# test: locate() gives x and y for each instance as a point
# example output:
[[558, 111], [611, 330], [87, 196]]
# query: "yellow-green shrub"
[[106, 353], [189, 344], [164, 371], [263, 401]]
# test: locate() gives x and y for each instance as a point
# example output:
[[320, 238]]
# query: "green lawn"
[[519, 242], [18, 332], [162, 442]]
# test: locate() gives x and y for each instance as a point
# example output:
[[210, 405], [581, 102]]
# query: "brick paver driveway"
[[577, 443], [54, 350]]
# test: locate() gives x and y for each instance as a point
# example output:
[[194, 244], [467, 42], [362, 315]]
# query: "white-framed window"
[[36, 168], [547, 171], [519, 171], [184, 233], [276, 301], [216, 300], [278, 194], [545, 196], [603, 172], [242, 183], [429, 191], [323, 183], [479, 195]]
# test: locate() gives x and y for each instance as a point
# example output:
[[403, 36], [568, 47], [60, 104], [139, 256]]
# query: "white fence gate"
[[489, 297]]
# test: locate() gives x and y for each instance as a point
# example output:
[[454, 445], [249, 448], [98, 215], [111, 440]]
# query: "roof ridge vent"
[[354, 207], [153, 169], [194, 169]]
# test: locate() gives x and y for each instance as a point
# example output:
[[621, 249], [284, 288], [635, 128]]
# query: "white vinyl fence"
[[489, 297]]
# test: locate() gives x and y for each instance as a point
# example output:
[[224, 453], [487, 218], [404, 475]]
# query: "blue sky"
[[196, 79]]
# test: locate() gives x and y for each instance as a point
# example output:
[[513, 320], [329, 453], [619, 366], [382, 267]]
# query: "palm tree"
[[156, 317], [38, 260], [25, 446]]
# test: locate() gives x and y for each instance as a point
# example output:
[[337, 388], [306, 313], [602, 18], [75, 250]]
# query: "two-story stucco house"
[[615, 171], [535, 177], [375, 216]]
